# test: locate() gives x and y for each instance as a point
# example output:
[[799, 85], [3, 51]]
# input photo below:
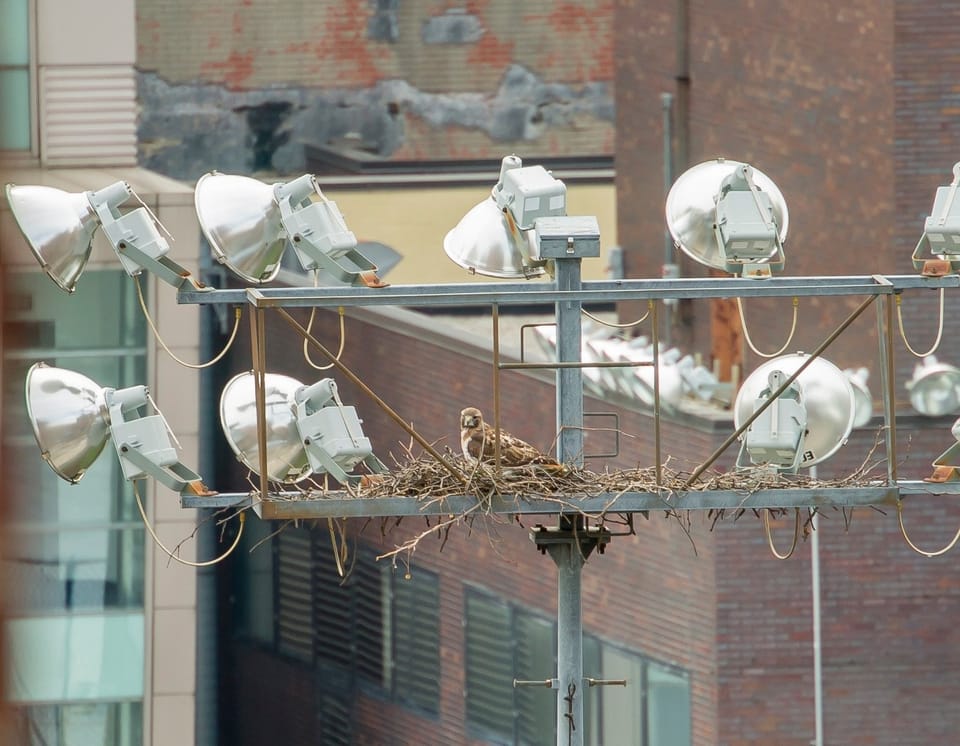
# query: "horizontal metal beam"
[[292, 506], [533, 292]]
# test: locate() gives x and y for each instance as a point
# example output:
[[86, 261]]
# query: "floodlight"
[[248, 224], [286, 458], [806, 424], [308, 429], [73, 418], [728, 215], [863, 398], [946, 465], [331, 433], [934, 388], [941, 232], [497, 237], [59, 227]]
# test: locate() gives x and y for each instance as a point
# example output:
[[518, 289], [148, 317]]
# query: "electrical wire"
[[746, 335], [143, 514], [796, 534], [614, 325], [913, 546], [306, 348], [903, 336], [313, 311], [196, 366]]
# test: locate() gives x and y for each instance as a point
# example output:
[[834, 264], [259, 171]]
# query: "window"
[[375, 629], [73, 555], [15, 118], [506, 642]]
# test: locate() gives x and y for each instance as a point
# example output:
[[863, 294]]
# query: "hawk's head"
[[470, 418]]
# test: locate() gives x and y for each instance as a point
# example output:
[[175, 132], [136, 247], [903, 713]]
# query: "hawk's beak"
[[468, 421]]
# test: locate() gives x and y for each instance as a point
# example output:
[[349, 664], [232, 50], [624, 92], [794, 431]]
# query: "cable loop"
[[313, 311], [195, 366], [143, 514], [613, 325], [913, 546], [796, 534], [746, 334], [903, 336]]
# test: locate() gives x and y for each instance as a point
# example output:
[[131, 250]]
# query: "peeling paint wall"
[[243, 85]]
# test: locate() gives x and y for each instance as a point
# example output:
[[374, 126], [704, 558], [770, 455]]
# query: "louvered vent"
[[294, 595], [333, 606], [335, 720], [88, 115], [489, 666], [416, 640], [368, 619]]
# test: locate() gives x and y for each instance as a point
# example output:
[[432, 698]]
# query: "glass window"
[[668, 706], [506, 642], [117, 724], [75, 657], [73, 554], [14, 75], [375, 627], [535, 661]]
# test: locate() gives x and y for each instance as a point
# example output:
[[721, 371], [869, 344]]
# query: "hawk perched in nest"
[[477, 440]]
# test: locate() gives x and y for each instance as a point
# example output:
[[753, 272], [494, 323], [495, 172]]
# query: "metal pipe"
[[569, 563], [885, 338], [817, 648], [495, 317], [567, 555], [258, 353]]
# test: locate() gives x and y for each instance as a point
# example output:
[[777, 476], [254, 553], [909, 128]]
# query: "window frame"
[[594, 697], [29, 155]]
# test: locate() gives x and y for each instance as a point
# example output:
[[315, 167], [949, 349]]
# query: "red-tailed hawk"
[[477, 440]]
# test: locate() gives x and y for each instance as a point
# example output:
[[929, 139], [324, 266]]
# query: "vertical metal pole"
[[885, 337], [569, 563], [817, 648], [655, 333], [258, 344], [567, 555], [569, 380]]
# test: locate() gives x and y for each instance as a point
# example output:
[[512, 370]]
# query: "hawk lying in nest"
[[478, 442]]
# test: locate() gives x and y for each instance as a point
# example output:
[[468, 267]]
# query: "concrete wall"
[[241, 86]]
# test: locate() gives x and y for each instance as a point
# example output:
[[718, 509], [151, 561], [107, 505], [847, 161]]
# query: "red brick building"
[[851, 109]]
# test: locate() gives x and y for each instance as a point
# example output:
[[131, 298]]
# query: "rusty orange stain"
[[234, 71], [489, 50], [344, 44]]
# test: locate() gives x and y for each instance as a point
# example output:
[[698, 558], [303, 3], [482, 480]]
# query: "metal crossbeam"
[[533, 292], [289, 506]]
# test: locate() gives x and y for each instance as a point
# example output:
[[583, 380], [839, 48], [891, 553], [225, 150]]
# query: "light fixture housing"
[[309, 431], [934, 388], [946, 466], [248, 224], [499, 237], [73, 417], [824, 394], [286, 459], [729, 215], [59, 227], [332, 434], [941, 232], [861, 392]]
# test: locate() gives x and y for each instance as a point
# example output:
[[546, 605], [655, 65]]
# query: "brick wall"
[[650, 592], [410, 80]]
